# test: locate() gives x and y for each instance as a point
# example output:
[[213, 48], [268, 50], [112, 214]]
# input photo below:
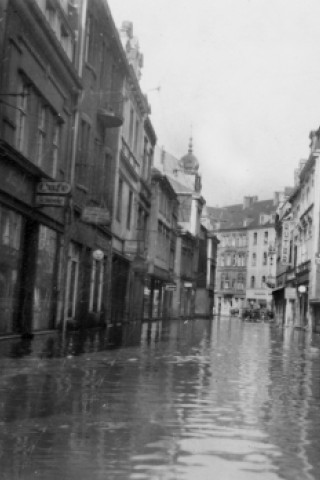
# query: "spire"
[[190, 150]]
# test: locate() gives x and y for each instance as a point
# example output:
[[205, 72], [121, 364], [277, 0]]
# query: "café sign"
[[53, 188]]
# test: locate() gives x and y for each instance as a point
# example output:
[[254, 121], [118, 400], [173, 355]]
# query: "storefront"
[[30, 250]]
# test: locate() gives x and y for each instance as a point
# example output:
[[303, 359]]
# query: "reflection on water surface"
[[178, 400]]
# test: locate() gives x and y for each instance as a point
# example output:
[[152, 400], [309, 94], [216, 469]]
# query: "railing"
[[128, 156], [304, 267]]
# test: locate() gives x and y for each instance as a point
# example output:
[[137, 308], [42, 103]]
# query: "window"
[[72, 280], [119, 202], [129, 212], [11, 248], [263, 282], [265, 258], [252, 282], [131, 123], [82, 161], [55, 148], [45, 279], [222, 261], [41, 135], [88, 49], [255, 238], [22, 118], [136, 137], [254, 259], [265, 238]]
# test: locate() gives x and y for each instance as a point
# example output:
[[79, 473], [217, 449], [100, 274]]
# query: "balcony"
[[128, 157], [303, 268]]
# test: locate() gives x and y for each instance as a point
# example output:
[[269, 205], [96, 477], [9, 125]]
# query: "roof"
[[179, 187], [234, 216]]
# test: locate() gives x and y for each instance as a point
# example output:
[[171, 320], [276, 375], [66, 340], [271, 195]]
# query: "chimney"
[[248, 201]]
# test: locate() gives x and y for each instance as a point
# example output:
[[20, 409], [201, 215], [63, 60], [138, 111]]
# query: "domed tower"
[[189, 162], [189, 165]]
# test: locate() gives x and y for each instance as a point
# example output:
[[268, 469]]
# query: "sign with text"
[[53, 188], [285, 244], [96, 216], [171, 286], [50, 201]]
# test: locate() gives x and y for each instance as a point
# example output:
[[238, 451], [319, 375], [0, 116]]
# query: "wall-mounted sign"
[[53, 188], [170, 287], [96, 215], [187, 284], [285, 243], [290, 293], [50, 201]]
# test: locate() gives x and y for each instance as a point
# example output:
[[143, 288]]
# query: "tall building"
[[245, 258], [40, 89], [297, 292], [195, 248], [132, 195]]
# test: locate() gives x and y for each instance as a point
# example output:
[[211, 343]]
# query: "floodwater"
[[203, 399]]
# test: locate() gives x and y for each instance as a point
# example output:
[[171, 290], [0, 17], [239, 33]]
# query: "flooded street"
[[172, 401]]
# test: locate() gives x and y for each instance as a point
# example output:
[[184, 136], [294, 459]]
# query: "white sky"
[[244, 73]]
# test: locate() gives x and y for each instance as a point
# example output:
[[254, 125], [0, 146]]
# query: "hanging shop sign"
[[317, 259], [96, 216], [50, 201], [53, 188], [187, 284], [285, 244]]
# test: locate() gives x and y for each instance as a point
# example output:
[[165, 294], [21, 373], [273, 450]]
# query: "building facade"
[[132, 199], [245, 259], [297, 292], [40, 89], [160, 286]]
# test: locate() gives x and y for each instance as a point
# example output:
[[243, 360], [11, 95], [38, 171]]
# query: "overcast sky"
[[244, 73]]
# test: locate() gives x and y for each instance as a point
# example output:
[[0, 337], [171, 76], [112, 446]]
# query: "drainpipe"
[[69, 217]]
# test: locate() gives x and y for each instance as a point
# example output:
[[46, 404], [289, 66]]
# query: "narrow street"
[[172, 401]]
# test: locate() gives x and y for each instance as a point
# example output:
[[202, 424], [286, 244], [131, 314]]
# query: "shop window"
[[72, 280], [11, 227], [43, 297], [96, 288]]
